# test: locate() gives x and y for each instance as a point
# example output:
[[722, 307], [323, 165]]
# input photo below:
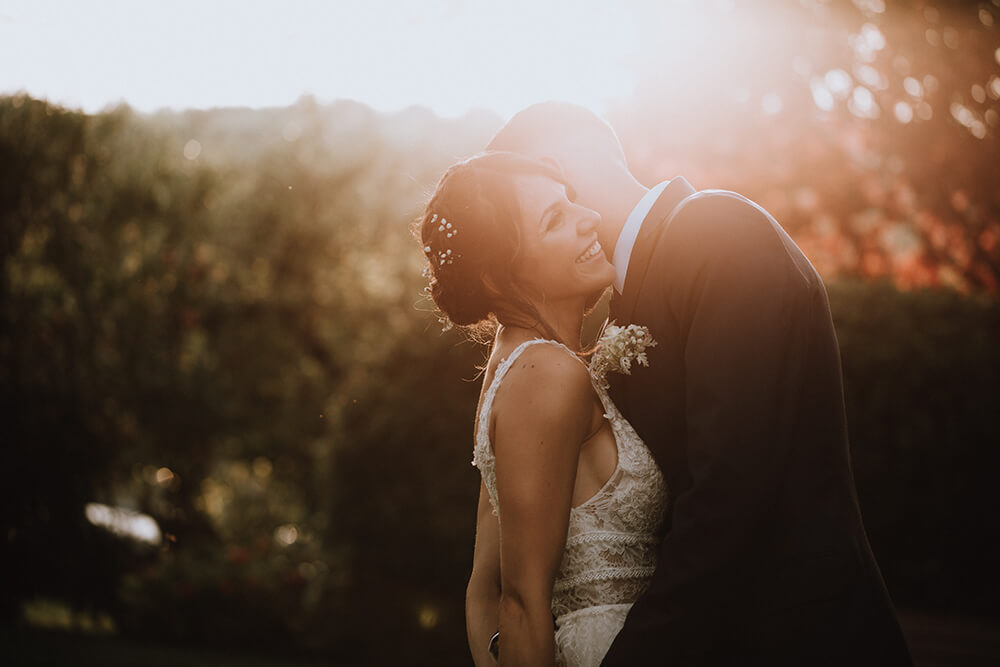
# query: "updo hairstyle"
[[470, 236]]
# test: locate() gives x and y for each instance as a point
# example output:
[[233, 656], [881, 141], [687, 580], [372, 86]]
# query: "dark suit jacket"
[[765, 561]]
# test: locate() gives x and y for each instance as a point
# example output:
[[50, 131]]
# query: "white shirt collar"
[[630, 232]]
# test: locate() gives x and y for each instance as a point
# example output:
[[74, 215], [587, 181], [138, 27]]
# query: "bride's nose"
[[588, 222]]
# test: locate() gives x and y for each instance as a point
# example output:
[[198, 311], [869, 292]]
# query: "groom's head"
[[584, 147]]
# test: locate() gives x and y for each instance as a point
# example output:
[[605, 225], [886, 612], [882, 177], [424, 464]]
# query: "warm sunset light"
[[448, 56], [239, 401]]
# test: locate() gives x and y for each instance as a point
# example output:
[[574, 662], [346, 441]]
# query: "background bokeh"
[[232, 424]]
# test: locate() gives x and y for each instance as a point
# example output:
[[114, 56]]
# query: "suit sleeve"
[[738, 297]]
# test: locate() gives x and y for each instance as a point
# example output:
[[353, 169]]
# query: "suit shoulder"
[[723, 212], [736, 236]]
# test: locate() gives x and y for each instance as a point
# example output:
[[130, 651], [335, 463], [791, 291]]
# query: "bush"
[[920, 371]]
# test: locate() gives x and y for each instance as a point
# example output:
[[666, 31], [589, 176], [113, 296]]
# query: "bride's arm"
[[542, 415], [482, 597]]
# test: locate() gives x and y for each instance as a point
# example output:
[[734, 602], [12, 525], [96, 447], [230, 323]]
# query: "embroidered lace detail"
[[611, 545]]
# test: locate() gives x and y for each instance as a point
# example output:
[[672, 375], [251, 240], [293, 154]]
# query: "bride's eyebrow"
[[549, 210]]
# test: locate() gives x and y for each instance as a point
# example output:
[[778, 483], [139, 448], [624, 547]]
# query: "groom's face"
[[560, 256]]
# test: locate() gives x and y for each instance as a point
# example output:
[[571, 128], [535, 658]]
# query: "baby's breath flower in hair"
[[438, 251]]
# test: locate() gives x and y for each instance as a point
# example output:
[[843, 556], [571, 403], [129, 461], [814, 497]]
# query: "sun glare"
[[701, 60], [449, 56]]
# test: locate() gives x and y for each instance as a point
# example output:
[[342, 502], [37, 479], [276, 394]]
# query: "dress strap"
[[483, 427], [506, 364]]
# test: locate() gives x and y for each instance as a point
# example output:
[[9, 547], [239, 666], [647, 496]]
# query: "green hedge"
[[922, 384]]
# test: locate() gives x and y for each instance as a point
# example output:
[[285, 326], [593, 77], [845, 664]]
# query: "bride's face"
[[560, 255]]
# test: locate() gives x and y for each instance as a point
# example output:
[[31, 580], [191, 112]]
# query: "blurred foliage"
[[871, 129], [215, 318], [222, 342]]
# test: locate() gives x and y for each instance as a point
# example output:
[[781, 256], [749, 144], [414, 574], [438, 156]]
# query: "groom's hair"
[[549, 125]]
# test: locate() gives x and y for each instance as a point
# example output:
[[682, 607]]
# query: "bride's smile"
[[560, 254], [589, 253]]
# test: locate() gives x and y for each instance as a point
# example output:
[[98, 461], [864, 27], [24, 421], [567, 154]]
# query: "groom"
[[766, 561]]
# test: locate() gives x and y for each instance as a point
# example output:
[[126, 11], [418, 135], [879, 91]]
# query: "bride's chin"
[[596, 286], [606, 274]]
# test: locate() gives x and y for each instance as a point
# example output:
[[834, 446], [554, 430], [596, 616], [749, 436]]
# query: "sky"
[[449, 55]]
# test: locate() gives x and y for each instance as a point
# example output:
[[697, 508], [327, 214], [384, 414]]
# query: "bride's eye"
[[570, 194], [554, 221]]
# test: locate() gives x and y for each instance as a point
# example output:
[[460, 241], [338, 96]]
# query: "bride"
[[571, 501]]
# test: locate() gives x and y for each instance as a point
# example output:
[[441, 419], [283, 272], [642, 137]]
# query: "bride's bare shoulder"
[[545, 379]]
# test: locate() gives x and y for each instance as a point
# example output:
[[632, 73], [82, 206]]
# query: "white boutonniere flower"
[[618, 348]]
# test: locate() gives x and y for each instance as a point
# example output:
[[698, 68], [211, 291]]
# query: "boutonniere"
[[618, 348]]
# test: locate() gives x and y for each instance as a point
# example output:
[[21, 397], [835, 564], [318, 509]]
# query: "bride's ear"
[[503, 298]]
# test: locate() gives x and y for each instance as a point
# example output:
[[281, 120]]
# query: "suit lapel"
[[623, 305]]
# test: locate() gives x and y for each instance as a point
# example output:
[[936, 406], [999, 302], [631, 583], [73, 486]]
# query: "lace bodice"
[[612, 542]]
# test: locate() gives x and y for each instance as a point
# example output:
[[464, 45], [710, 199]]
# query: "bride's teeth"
[[589, 252]]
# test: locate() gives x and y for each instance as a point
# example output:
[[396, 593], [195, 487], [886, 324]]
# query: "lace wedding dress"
[[611, 546]]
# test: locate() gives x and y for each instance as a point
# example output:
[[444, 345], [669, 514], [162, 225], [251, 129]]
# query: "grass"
[[935, 640], [32, 647]]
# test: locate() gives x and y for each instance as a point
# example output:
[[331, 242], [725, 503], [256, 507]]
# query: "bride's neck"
[[565, 323]]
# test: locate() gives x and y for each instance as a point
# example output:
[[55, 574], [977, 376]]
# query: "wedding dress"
[[612, 542]]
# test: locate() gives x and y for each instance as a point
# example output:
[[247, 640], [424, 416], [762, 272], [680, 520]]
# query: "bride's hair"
[[470, 236]]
